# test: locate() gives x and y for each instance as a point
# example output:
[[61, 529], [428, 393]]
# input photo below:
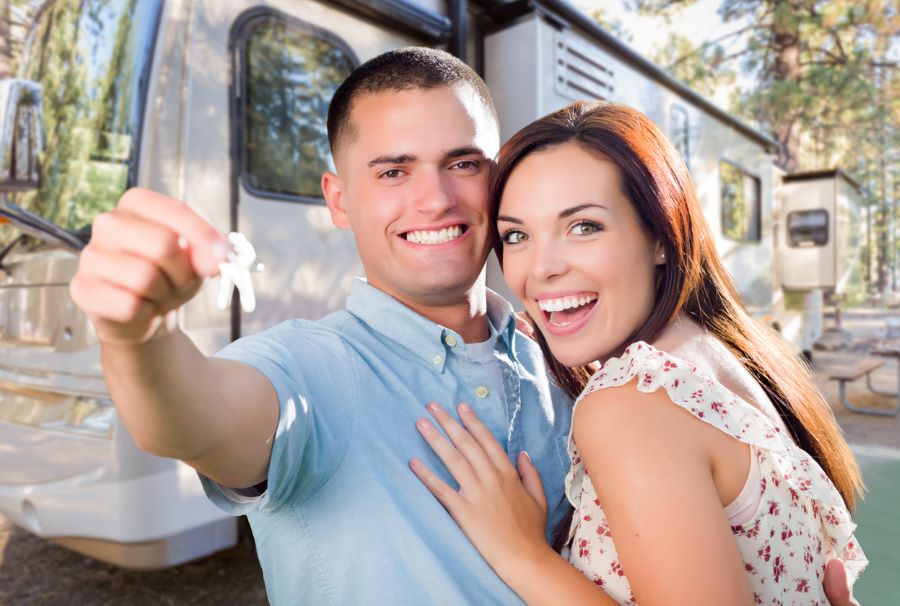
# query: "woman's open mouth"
[[564, 315]]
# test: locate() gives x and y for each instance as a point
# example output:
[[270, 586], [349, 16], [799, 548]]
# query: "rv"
[[222, 104]]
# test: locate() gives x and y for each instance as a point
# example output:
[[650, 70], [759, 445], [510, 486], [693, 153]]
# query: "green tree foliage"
[[825, 84]]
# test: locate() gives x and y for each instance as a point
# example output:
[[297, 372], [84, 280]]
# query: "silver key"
[[235, 273]]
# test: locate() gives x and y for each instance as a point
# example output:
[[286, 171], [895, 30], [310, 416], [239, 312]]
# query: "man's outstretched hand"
[[145, 258]]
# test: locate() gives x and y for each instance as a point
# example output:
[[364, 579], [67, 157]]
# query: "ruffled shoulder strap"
[[711, 402]]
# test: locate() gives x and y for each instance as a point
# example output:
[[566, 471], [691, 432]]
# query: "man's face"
[[412, 185]]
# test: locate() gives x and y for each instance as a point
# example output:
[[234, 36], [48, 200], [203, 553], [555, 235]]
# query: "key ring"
[[235, 273]]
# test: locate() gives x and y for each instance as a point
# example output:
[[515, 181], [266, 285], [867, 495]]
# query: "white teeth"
[[565, 302], [434, 237]]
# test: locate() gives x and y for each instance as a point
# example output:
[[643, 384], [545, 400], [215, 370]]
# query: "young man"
[[318, 418], [324, 412]]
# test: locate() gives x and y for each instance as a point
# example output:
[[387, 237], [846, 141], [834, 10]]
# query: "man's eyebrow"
[[401, 159], [464, 151], [574, 209]]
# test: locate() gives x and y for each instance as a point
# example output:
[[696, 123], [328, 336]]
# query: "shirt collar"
[[391, 318]]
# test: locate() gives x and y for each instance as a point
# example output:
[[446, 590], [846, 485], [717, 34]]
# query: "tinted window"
[[740, 203], [807, 228], [291, 73], [89, 57]]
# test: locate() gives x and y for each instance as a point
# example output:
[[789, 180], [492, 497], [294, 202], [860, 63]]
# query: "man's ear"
[[333, 189]]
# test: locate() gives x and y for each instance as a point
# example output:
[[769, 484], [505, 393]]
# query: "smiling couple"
[[706, 441]]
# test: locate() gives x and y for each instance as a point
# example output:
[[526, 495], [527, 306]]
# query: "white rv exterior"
[[221, 103], [535, 67]]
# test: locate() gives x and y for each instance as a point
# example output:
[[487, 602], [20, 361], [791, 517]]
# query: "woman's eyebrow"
[[509, 219], [574, 209]]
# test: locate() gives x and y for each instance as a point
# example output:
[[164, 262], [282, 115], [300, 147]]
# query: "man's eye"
[[513, 236], [392, 173], [467, 165], [586, 228]]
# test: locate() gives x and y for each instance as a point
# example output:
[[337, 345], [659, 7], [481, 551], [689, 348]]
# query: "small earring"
[[662, 256]]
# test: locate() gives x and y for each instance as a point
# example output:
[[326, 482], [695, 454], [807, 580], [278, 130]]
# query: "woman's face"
[[574, 252]]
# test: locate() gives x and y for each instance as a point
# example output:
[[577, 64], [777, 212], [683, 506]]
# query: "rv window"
[[807, 228], [681, 132], [92, 60], [291, 72], [740, 203]]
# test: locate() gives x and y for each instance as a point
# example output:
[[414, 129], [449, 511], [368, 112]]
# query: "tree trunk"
[[786, 69], [6, 60]]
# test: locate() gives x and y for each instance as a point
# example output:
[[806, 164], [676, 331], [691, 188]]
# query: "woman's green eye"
[[585, 228], [513, 236]]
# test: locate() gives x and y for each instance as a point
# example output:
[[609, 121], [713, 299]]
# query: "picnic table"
[[867, 367], [890, 350]]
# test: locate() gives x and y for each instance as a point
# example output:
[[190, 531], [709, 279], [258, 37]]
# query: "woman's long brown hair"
[[693, 281]]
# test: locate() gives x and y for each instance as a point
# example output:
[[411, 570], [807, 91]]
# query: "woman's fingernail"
[[527, 456], [433, 407], [415, 464], [464, 408], [423, 424]]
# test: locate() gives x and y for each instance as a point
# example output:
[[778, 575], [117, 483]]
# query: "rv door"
[[286, 60]]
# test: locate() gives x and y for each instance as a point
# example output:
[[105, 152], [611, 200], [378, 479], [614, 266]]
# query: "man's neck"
[[471, 324], [467, 316]]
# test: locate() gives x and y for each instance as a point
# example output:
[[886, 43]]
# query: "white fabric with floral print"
[[801, 521]]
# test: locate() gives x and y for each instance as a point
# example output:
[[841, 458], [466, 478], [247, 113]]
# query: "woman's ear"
[[660, 254]]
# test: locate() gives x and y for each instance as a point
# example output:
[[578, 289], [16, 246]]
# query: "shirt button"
[[437, 360], [481, 391], [450, 340]]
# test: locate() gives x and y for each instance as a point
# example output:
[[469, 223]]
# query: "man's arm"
[[145, 259]]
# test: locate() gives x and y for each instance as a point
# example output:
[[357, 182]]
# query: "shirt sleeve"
[[313, 372]]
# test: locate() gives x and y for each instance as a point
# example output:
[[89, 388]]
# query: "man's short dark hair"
[[410, 68]]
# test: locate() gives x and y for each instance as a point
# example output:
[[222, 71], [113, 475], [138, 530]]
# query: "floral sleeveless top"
[[801, 521]]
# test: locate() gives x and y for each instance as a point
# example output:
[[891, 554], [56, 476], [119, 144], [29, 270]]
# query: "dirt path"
[[37, 572]]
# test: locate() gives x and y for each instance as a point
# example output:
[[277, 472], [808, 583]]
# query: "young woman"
[[706, 466]]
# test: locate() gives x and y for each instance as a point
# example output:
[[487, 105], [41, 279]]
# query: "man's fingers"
[[207, 246], [448, 497], [531, 479], [123, 232], [453, 460], [109, 302], [134, 274]]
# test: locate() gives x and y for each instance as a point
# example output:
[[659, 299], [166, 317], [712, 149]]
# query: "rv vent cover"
[[582, 70]]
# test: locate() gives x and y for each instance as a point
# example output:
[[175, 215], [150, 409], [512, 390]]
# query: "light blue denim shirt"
[[343, 519]]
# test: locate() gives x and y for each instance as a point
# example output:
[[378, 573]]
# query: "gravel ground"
[[37, 572]]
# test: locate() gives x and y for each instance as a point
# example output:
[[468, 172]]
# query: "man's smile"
[[432, 237]]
